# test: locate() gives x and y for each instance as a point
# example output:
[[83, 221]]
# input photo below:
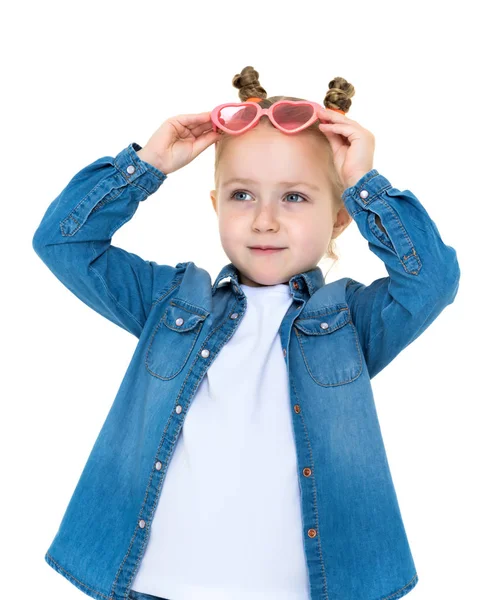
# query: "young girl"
[[253, 392]]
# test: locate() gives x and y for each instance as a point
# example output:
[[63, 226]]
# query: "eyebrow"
[[285, 183]]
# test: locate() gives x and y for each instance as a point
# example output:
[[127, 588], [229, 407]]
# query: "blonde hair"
[[338, 96]]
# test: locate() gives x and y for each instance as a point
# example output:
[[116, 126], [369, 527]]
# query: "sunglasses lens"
[[292, 116], [236, 118]]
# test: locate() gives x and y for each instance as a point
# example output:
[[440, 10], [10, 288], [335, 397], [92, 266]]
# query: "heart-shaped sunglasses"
[[289, 116]]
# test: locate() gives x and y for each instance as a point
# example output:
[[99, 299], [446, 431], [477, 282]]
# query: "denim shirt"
[[335, 338]]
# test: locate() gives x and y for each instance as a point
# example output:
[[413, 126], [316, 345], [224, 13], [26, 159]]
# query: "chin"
[[259, 280]]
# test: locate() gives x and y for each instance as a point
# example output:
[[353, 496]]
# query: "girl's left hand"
[[352, 145]]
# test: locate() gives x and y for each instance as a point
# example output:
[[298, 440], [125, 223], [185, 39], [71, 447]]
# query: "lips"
[[266, 250]]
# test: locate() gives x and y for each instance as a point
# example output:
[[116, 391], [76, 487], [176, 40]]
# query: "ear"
[[213, 200], [343, 219]]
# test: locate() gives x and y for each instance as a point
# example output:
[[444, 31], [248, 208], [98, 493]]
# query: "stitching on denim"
[[300, 335], [102, 202], [408, 586], [143, 508], [109, 197], [199, 326], [83, 200], [168, 289], [74, 231], [378, 233], [315, 504], [80, 583], [405, 235], [187, 402], [319, 313], [364, 206], [180, 305], [137, 161], [329, 330]]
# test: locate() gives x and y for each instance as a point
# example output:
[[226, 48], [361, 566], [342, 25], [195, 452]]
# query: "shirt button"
[[158, 465], [296, 285], [312, 533], [205, 353], [130, 169], [178, 409], [324, 325], [307, 472], [142, 523], [179, 321], [296, 408], [234, 316], [364, 193], [284, 351]]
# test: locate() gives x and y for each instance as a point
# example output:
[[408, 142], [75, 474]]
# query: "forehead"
[[265, 154]]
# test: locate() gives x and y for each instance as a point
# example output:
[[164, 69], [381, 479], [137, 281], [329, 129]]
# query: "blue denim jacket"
[[335, 337]]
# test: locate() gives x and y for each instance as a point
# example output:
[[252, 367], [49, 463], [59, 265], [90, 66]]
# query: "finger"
[[202, 142], [194, 119], [199, 129], [334, 116], [334, 139], [345, 129]]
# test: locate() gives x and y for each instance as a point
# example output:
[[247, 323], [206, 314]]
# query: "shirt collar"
[[307, 282]]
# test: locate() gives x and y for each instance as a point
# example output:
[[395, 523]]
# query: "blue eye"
[[290, 194]]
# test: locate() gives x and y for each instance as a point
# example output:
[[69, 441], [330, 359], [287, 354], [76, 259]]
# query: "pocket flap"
[[180, 319], [323, 324]]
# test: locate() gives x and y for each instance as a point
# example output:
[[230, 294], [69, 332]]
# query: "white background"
[[84, 80]]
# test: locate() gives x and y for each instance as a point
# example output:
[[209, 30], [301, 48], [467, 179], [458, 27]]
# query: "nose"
[[265, 217]]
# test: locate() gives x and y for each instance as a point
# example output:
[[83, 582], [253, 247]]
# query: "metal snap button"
[[142, 523], [179, 321], [234, 316], [364, 193], [324, 325], [130, 169], [205, 353], [178, 409]]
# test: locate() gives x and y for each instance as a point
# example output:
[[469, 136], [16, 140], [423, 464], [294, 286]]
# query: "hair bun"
[[247, 82], [339, 94]]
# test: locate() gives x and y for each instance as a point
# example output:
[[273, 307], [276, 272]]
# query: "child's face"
[[267, 212]]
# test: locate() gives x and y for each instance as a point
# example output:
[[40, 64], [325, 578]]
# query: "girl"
[[252, 392]]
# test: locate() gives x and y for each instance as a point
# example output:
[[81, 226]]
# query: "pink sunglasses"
[[289, 116]]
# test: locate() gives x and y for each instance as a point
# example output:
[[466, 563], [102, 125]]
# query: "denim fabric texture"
[[335, 337]]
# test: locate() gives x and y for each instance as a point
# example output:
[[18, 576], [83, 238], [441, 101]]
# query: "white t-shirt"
[[228, 524]]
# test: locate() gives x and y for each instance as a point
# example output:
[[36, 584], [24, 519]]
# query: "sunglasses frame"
[[260, 111]]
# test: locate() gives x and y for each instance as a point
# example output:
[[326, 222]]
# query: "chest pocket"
[[330, 347], [173, 339]]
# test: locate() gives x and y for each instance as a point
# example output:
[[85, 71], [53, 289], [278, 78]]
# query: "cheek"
[[310, 229], [230, 228]]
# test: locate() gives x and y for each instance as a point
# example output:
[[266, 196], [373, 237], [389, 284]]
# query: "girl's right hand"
[[178, 141]]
